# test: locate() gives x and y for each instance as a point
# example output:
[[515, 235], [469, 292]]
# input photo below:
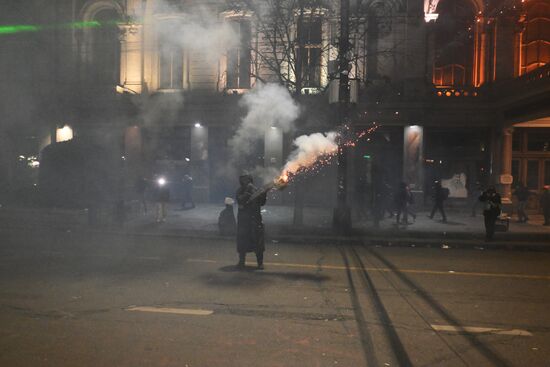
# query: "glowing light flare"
[[11, 29], [22, 28], [63, 134]]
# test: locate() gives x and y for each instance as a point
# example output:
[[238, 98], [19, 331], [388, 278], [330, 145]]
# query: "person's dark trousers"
[[260, 257], [547, 217], [242, 258], [438, 206], [522, 216], [377, 215], [402, 210], [490, 226]]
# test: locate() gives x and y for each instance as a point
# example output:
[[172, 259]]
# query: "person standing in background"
[[439, 196], [162, 198], [492, 202], [187, 193], [522, 193], [226, 221], [545, 204]]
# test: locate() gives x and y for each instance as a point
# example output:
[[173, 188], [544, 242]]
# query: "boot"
[[241, 263], [260, 260]]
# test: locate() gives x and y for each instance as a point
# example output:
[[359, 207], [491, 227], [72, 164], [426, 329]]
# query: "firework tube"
[[279, 183]]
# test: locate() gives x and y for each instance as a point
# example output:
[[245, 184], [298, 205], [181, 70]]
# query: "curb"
[[443, 243], [418, 239]]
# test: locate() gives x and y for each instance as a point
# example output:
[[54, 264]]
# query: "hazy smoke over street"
[[268, 105]]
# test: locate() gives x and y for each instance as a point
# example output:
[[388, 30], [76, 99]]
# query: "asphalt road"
[[74, 299]]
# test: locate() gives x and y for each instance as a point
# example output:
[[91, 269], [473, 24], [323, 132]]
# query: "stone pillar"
[[200, 170], [273, 158], [133, 146], [413, 157], [131, 57], [273, 147], [505, 178]]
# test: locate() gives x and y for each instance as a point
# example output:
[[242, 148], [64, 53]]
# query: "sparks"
[[316, 151]]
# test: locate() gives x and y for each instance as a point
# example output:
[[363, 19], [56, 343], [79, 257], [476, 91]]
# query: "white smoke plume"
[[199, 31], [310, 150], [267, 105]]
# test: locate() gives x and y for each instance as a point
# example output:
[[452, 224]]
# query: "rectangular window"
[[538, 140], [516, 171], [533, 174], [310, 34], [547, 172], [171, 66], [516, 140], [311, 68], [238, 58]]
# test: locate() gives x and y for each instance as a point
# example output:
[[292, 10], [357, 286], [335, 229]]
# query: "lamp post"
[[342, 213]]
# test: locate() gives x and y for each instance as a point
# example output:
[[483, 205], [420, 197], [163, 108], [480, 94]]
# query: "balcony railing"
[[526, 85]]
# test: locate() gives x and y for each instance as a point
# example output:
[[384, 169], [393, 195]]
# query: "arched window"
[[104, 68], [535, 44], [454, 44]]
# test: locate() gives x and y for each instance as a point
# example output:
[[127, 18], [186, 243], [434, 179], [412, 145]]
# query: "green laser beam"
[[20, 28], [10, 29]]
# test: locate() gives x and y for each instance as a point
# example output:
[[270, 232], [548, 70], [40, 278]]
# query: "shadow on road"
[[439, 309], [231, 276]]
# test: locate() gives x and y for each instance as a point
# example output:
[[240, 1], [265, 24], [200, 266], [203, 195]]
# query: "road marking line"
[[201, 261], [410, 271], [481, 330], [179, 311], [154, 258]]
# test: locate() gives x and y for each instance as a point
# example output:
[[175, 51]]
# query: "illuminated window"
[[238, 58], [310, 36], [536, 36], [170, 64], [454, 44]]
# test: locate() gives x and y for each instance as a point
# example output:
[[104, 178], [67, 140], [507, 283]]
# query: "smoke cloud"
[[200, 31], [309, 150], [267, 105]]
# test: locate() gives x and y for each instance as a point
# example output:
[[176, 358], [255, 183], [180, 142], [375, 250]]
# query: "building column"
[[505, 178], [131, 57], [413, 157], [200, 169]]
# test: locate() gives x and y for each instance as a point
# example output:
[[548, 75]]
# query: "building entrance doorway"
[[531, 157]]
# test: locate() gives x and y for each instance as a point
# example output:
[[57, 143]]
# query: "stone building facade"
[[460, 88]]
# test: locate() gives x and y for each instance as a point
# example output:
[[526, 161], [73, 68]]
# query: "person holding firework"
[[250, 228]]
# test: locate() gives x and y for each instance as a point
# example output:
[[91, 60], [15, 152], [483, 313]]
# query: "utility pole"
[[342, 213]]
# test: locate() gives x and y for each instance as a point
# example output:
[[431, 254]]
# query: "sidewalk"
[[461, 227], [461, 230]]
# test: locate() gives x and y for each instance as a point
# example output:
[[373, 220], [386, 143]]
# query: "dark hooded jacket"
[[250, 229]]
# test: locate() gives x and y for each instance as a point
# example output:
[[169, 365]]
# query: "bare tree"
[[296, 44]]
